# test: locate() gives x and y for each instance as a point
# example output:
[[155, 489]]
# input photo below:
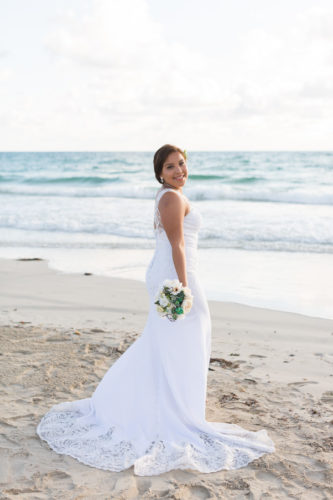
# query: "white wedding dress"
[[149, 408]]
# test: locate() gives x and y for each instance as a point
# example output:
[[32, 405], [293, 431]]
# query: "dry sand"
[[59, 333]]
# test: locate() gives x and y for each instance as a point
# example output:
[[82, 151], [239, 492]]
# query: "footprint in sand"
[[192, 492], [304, 382], [57, 480], [327, 397]]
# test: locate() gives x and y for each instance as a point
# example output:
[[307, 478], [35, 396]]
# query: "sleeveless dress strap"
[[164, 190]]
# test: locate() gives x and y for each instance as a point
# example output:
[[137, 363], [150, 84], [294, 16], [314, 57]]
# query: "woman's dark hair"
[[161, 155]]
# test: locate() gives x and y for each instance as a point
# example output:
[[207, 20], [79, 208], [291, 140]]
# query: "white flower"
[[163, 301], [160, 310], [159, 292], [176, 287], [187, 305], [168, 283]]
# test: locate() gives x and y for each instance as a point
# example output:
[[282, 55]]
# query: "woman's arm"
[[172, 210]]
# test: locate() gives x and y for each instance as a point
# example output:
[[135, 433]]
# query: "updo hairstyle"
[[160, 157]]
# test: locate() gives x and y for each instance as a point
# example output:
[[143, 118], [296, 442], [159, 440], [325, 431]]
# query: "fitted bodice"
[[161, 265], [191, 224]]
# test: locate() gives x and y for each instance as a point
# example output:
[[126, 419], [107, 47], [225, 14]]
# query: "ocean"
[[267, 232]]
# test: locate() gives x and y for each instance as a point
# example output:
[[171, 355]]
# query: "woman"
[[149, 408]]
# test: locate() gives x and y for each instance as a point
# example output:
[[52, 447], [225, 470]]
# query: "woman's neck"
[[166, 185]]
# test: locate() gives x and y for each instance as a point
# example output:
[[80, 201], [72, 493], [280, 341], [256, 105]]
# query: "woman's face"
[[174, 171]]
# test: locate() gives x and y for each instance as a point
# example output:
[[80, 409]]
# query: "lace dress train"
[[149, 408]]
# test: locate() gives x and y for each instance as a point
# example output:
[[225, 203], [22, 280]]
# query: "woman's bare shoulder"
[[171, 198]]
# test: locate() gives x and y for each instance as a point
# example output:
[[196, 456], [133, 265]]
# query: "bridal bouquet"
[[173, 300]]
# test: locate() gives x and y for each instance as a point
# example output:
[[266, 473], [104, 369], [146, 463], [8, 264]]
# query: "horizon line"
[[188, 150]]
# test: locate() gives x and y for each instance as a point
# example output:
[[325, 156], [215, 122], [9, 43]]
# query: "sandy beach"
[[269, 369]]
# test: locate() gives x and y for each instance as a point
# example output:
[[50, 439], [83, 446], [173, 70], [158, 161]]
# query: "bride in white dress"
[[149, 408]]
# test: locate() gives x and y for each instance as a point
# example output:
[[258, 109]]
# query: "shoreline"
[[283, 282], [138, 284], [284, 346], [61, 332]]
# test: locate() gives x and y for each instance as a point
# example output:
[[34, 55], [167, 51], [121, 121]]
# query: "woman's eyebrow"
[[171, 163]]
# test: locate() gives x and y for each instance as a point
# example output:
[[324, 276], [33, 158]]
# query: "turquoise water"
[[64, 206], [254, 201]]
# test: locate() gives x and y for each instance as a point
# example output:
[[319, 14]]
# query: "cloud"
[[287, 74], [117, 81], [133, 64], [5, 74], [136, 69], [116, 34], [317, 23]]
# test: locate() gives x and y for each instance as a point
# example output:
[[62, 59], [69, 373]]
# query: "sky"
[[132, 75]]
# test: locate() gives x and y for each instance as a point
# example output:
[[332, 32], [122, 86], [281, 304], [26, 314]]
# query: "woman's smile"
[[174, 172]]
